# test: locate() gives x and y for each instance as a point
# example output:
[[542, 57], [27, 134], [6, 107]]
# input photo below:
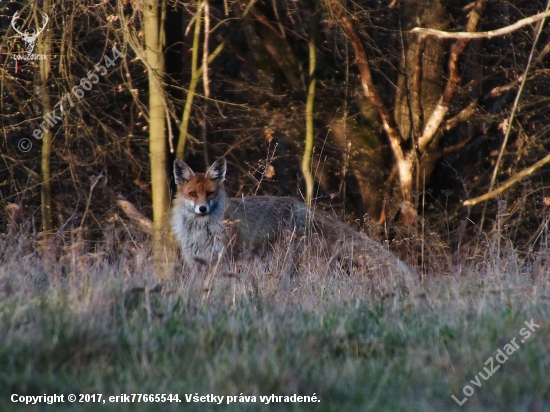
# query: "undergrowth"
[[80, 321]]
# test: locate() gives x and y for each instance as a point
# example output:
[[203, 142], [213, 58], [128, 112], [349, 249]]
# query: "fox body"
[[206, 222]]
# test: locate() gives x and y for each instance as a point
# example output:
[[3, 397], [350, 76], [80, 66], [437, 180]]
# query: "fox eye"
[[208, 194], [193, 194]]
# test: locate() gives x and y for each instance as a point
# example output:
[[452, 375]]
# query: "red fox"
[[202, 214]]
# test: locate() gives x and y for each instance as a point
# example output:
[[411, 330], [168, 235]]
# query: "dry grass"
[[82, 322]]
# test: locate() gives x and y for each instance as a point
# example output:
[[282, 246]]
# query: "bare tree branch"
[[279, 48], [499, 90], [513, 113], [461, 116], [514, 179], [459, 146], [371, 93], [440, 111], [484, 34]]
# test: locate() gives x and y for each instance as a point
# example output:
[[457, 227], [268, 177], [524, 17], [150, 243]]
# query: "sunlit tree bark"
[[306, 160], [417, 111], [45, 47], [153, 21]]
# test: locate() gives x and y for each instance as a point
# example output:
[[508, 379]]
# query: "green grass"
[[358, 343]]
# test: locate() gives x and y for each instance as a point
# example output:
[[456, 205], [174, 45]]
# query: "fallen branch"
[[483, 34], [144, 223], [508, 183]]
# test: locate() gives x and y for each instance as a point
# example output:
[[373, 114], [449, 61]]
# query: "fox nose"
[[202, 209]]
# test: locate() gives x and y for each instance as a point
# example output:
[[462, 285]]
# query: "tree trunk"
[[418, 72], [414, 98], [419, 86], [153, 24], [310, 135], [45, 47]]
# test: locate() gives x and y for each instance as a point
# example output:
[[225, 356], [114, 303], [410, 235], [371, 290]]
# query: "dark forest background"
[[265, 61]]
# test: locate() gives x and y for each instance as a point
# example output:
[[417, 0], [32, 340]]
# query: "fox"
[[206, 223]]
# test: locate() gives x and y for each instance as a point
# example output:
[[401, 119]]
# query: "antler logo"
[[29, 39]]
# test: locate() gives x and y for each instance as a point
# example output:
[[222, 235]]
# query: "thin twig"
[[206, 81]]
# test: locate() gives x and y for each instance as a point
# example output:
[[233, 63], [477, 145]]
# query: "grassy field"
[[103, 324]]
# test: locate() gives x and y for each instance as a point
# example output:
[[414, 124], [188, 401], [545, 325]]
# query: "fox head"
[[201, 191]]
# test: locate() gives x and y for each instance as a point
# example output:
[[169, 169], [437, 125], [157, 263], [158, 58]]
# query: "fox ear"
[[182, 172], [217, 170]]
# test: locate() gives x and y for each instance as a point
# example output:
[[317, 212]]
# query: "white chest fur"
[[198, 236]]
